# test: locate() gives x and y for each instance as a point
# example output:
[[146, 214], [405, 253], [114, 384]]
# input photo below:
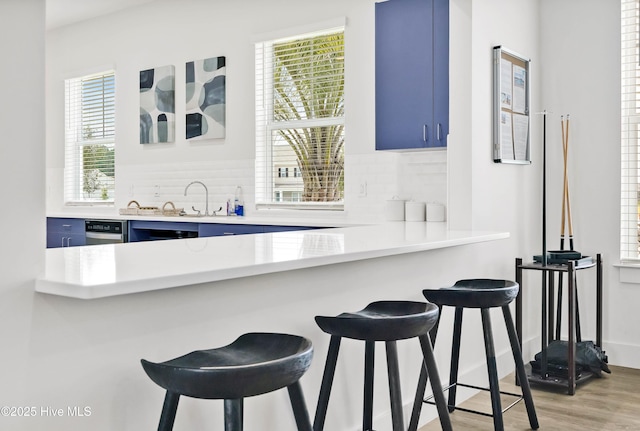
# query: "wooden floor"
[[610, 403]]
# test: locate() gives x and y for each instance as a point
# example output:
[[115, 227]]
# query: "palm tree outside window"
[[300, 120]]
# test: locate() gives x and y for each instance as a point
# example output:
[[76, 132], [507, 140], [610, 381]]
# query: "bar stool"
[[386, 321], [483, 294], [254, 364]]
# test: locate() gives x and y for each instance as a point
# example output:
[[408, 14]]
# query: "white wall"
[[483, 194], [22, 189], [581, 76]]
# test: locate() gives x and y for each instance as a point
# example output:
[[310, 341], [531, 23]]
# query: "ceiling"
[[64, 12]]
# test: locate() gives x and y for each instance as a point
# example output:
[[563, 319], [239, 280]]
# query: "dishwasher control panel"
[[105, 231]]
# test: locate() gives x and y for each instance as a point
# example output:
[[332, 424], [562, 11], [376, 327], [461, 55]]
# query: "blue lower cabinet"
[[65, 232], [69, 232], [143, 230], [268, 229], [219, 229]]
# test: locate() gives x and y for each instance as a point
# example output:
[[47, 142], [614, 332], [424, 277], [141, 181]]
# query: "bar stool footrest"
[[427, 400]]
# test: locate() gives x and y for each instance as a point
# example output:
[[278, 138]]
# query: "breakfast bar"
[[116, 269], [159, 299]]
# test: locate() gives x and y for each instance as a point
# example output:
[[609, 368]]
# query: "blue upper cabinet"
[[412, 74]]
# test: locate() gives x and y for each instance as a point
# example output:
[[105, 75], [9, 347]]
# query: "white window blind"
[[89, 172], [630, 93], [300, 121]]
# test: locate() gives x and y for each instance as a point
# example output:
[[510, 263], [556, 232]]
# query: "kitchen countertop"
[[117, 269]]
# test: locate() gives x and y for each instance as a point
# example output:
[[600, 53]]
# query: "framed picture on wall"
[[511, 114], [157, 105], [206, 98]]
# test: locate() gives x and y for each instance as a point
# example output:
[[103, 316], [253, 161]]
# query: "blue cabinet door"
[[412, 74], [65, 232], [271, 228], [220, 229], [441, 71], [143, 230]]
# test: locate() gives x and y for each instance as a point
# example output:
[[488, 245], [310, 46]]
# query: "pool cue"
[[566, 201], [566, 187], [562, 225]]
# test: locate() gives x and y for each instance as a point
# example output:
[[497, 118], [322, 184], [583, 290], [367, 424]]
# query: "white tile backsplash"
[[156, 184], [420, 176], [371, 179]]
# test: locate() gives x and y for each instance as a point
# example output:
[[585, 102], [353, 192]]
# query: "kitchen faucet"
[[206, 192]]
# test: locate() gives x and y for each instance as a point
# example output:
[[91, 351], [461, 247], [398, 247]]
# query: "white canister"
[[435, 212], [394, 210], [414, 211]]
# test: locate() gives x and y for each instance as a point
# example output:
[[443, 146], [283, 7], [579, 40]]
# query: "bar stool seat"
[[254, 364], [387, 321], [475, 293], [382, 321], [482, 294]]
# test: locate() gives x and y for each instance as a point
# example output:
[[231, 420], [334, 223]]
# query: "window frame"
[[267, 172], [77, 117]]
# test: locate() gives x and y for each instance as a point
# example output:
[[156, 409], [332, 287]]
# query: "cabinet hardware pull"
[[424, 132], [438, 130]]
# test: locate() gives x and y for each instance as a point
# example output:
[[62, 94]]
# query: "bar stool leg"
[[395, 393], [422, 380], [418, 400], [492, 369], [233, 412], [436, 386], [455, 358], [169, 408], [367, 416], [521, 373], [327, 382], [299, 407], [433, 333]]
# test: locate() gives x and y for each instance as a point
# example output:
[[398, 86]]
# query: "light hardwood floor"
[[611, 403]]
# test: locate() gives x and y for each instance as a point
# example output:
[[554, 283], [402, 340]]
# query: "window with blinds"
[[89, 171], [300, 121], [630, 93]]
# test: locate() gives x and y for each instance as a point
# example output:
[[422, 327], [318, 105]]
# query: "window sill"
[[297, 206], [629, 272], [90, 204]]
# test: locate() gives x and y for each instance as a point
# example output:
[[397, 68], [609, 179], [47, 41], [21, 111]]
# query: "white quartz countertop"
[[117, 269]]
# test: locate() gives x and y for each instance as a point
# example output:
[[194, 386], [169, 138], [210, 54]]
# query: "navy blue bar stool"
[[254, 364], [386, 321], [483, 294]]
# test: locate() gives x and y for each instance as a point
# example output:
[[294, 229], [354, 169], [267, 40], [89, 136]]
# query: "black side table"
[[548, 283]]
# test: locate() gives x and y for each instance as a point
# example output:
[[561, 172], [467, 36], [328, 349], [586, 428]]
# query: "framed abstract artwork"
[[157, 105], [205, 98]]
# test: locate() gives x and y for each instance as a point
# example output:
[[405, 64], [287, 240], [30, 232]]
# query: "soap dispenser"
[[239, 202]]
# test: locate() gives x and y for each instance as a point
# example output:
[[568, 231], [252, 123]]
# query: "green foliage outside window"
[[311, 89]]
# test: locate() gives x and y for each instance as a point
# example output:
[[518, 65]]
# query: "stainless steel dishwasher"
[[105, 231]]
